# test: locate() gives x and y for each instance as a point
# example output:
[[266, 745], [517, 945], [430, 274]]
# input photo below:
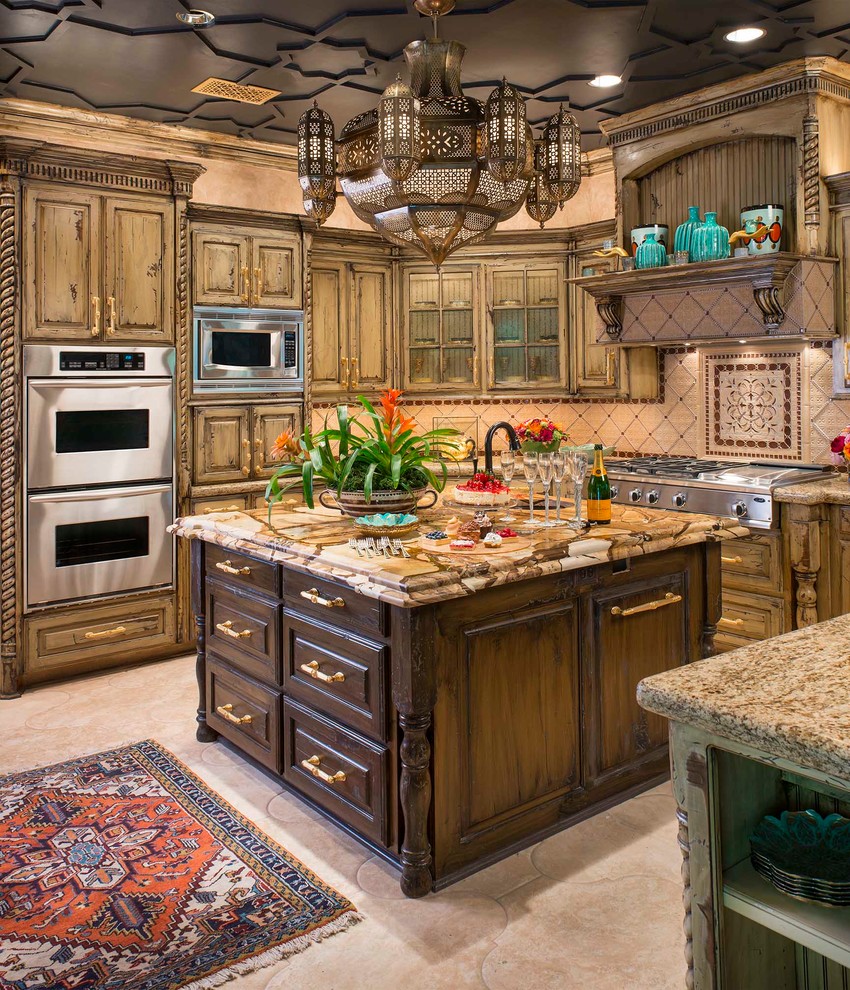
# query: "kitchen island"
[[448, 709], [755, 732]]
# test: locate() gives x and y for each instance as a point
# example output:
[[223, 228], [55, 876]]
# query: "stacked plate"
[[805, 855]]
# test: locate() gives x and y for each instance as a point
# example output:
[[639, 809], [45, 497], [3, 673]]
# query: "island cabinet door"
[[635, 630]]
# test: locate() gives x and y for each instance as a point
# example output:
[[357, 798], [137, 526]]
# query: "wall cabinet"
[[233, 443], [596, 368], [235, 267], [352, 324], [101, 267]]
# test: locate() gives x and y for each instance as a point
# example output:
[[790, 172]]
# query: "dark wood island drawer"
[[245, 631], [342, 676], [341, 771], [241, 571], [246, 713], [334, 604]]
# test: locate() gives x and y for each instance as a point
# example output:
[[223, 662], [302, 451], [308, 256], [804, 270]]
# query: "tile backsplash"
[[773, 402]]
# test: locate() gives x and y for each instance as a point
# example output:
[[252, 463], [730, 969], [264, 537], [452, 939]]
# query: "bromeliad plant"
[[384, 454]]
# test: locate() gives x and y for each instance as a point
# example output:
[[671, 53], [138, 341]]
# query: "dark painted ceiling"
[[133, 57]]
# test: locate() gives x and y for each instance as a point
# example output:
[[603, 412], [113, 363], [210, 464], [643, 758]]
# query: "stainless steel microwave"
[[248, 350]]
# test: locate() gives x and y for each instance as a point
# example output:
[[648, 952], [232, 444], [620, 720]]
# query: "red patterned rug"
[[124, 870]]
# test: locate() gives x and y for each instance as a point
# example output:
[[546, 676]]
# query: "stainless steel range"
[[740, 489]]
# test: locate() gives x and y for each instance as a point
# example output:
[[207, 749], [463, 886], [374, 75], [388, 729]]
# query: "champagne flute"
[[577, 468], [559, 467], [545, 467], [529, 467], [507, 459]]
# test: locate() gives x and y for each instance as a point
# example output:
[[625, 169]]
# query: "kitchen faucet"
[[513, 440]]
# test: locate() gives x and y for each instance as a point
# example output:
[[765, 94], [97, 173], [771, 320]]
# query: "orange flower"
[[847, 452], [284, 446]]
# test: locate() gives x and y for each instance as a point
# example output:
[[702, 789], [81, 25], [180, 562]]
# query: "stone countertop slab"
[[315, 541], [788, 696], [832, 489]]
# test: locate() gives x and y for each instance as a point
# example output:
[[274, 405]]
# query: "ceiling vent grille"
[[223, 89]]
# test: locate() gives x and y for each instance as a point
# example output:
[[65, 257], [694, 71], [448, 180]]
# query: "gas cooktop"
[[740, 489]]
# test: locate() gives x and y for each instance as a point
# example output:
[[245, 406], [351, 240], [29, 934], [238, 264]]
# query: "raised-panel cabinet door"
[[597, 367], [331, 370], [276, 272], [139, 267], [222, 444], [371, 327], [268, 422], [222, 269], [62, 294]]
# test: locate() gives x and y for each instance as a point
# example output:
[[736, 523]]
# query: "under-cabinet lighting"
[[605, 81], [742, 340], [743, 35]]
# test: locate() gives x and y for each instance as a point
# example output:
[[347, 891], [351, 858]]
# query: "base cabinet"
[[381, 707]]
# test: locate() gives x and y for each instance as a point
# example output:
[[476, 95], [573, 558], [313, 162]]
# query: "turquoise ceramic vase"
[[651, 254], [685, 232], [710, 242]]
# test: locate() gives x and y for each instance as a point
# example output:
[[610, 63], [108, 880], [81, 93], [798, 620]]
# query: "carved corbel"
[[610, 309], [769, 300]]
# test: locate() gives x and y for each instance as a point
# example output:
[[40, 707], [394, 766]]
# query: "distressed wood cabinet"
[[596, 367], [233, 442], [102, 266], [238, 267]]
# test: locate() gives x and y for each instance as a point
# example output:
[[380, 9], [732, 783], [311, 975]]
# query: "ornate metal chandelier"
[[431, 168]]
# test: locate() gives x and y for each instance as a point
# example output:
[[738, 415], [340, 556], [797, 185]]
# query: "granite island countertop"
[[315, 541], [788, 696], [833, 488]]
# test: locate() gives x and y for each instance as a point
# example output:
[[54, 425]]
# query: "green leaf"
[[395, 470], [367, 481], [307, 484]]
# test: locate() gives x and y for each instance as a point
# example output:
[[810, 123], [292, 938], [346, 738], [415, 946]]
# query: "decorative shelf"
[[826, 930], [781, 294]]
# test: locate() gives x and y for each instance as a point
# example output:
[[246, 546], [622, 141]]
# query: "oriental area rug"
[[124, 870]]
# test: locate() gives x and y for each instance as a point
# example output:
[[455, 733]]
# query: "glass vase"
[[710, 242], [685, 232]]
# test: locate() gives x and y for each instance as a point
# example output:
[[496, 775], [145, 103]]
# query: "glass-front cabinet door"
[[527, 308], [441, 329]]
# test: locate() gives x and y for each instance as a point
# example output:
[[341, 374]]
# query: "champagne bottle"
[[598, 491]]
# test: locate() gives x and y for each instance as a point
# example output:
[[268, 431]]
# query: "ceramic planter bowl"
[[401, 501]]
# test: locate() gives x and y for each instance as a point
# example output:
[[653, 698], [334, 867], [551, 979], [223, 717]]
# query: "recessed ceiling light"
[[740, 36], [196, 18], [605, 81]]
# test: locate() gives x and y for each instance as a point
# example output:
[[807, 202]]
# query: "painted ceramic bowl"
[[391, 524], [660, 230]]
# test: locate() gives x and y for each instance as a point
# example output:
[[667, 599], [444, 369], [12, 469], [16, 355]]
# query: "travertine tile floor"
[[598, 905]]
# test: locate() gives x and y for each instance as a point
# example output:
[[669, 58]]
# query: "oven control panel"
[[101, 361], [290, 349]]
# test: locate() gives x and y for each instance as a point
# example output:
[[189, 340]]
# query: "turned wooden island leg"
[[804, 538], [414, 695], [713, 596], [203, 733]]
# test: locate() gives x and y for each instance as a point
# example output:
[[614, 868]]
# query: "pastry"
[[469, 531], [461, 544], [483, 522], [492, 540], [452, 526], [438, 538], [482, 489], [507, 533]]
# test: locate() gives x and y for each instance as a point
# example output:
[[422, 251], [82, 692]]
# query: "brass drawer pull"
[[313, 596], [227, 565], [230, 508], [312, 766], [228, 630], [110, 308], [668, 599], [107, 633], [730, 622], [226, 711], [312, 668], [95, 330], [732, 560], [245, 294]]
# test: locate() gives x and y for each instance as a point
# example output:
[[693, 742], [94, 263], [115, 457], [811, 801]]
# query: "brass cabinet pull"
[[226, 711], [312, 668], [228, 568], [732, 560], [730, 622], [110, 309], [228, 630], [229, 508], [246, 467], [95, 330], [355, 372], [668, 599], [609, 366], [344, 379], [313, 596], [246, 288], [312, 765], [107, 633], [258, 282]]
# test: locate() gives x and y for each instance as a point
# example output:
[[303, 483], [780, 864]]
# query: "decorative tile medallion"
[[753, 404], [123, 871]]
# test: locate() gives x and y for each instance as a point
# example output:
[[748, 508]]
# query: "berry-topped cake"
[[482, 489]]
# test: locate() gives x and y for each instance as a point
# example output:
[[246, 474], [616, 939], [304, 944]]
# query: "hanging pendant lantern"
[[504, 133], [540, 204], [319, 208], [399, 131], [562, 157], [316, 153]]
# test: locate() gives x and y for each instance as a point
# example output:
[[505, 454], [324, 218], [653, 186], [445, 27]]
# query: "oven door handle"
[[100, 494], [71, 383]]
